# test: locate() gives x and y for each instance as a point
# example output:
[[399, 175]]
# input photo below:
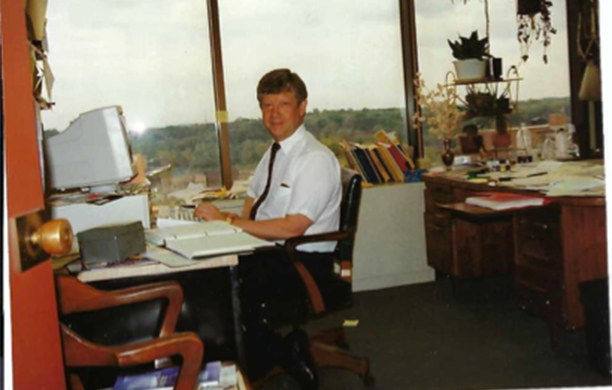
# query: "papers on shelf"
[[504, 201]]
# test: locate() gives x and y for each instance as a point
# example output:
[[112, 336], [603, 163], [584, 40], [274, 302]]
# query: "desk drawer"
[[540, 292], [538, 238], [538, 302], [439, 241], [437, 194], [540, 224]]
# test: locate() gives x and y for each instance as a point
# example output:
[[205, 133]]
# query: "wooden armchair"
[[75, 296], [330, 349]]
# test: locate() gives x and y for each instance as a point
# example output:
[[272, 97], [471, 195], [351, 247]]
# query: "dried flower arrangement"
[[439, 109]]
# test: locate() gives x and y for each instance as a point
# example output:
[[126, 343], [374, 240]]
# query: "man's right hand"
[[209, 212]]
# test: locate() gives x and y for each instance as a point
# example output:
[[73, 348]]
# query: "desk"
[[119, 277], [549, 249], [100, 274]]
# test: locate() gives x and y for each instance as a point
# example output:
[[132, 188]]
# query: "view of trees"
[[194, 148]]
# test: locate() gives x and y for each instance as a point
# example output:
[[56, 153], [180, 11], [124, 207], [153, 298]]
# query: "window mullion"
[[222, 117]]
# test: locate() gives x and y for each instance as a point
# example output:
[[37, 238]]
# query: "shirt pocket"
[[280, 199]]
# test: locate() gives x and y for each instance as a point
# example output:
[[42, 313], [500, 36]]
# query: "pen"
[[537, 174]]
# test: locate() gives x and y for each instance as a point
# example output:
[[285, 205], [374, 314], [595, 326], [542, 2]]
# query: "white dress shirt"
[[305, 180]]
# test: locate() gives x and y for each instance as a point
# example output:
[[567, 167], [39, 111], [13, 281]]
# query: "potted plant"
[[470, 54], [534, 24], [470, 140], [487, 104]]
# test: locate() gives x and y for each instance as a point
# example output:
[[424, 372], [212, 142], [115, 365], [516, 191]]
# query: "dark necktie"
[[260, 200]]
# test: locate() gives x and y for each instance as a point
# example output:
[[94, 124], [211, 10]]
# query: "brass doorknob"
[[54, 237]]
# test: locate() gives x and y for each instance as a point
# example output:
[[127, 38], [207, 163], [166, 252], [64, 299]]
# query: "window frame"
[[410, 68]]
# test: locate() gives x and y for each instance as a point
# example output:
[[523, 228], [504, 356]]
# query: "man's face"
[[282, 114]]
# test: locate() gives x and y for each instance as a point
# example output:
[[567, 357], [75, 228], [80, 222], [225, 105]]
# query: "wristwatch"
[[229, 220]]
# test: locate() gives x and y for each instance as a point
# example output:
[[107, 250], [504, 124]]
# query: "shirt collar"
[[288, 143]]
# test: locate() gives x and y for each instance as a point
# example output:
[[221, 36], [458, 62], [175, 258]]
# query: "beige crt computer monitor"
[[93, 152]]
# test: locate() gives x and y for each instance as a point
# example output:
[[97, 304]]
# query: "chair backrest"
[[349, 211]]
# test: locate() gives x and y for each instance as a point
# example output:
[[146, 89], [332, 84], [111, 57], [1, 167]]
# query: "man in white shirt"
[[296, 190], [305, 191]]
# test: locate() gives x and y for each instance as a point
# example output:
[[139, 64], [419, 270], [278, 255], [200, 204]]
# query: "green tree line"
[[194, 147]]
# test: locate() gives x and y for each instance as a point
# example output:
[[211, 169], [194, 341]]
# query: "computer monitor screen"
[[94, 152]]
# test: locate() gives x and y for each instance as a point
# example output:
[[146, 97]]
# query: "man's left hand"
[[209, 212]]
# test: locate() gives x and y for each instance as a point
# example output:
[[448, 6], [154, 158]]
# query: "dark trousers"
[[273, 295]]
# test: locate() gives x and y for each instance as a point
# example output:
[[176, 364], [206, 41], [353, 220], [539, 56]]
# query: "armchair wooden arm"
[[79, 352], [318, 305], [75, 297]]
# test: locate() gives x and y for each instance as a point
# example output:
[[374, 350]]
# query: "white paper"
[[188, 193]]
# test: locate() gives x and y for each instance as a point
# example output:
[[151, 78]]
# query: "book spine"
[[383, 164], [395, 170], [382, 173], [365, 163], [401, 162]]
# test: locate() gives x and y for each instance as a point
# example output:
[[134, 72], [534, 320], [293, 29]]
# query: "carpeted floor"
[[470, 335]]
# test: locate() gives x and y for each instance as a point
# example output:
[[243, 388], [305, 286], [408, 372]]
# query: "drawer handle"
[[542, 226], [531, 255], [535, 224]]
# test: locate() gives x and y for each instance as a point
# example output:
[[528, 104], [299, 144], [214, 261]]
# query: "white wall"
[[390, 245], [390, 242]]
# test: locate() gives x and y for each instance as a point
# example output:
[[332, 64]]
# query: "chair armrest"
[[292, 243], [79, 352], [75, 296], [316, 299]]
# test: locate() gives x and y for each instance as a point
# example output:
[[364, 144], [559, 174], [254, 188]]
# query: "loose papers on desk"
[[555, 178]]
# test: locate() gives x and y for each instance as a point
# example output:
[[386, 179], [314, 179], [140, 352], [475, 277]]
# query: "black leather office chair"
[[330, 349], [81, 354]]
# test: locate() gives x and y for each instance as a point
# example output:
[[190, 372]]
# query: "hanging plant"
[[534, 24]]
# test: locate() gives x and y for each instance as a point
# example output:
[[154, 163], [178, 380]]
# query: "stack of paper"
[[505, 201]]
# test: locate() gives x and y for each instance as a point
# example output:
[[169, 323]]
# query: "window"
[[347, 52], [544, 89], [151, 57]]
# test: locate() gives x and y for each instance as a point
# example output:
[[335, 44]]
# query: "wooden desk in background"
[[550, 249]]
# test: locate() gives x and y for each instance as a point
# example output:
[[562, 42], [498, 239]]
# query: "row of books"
[[385, 161]]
